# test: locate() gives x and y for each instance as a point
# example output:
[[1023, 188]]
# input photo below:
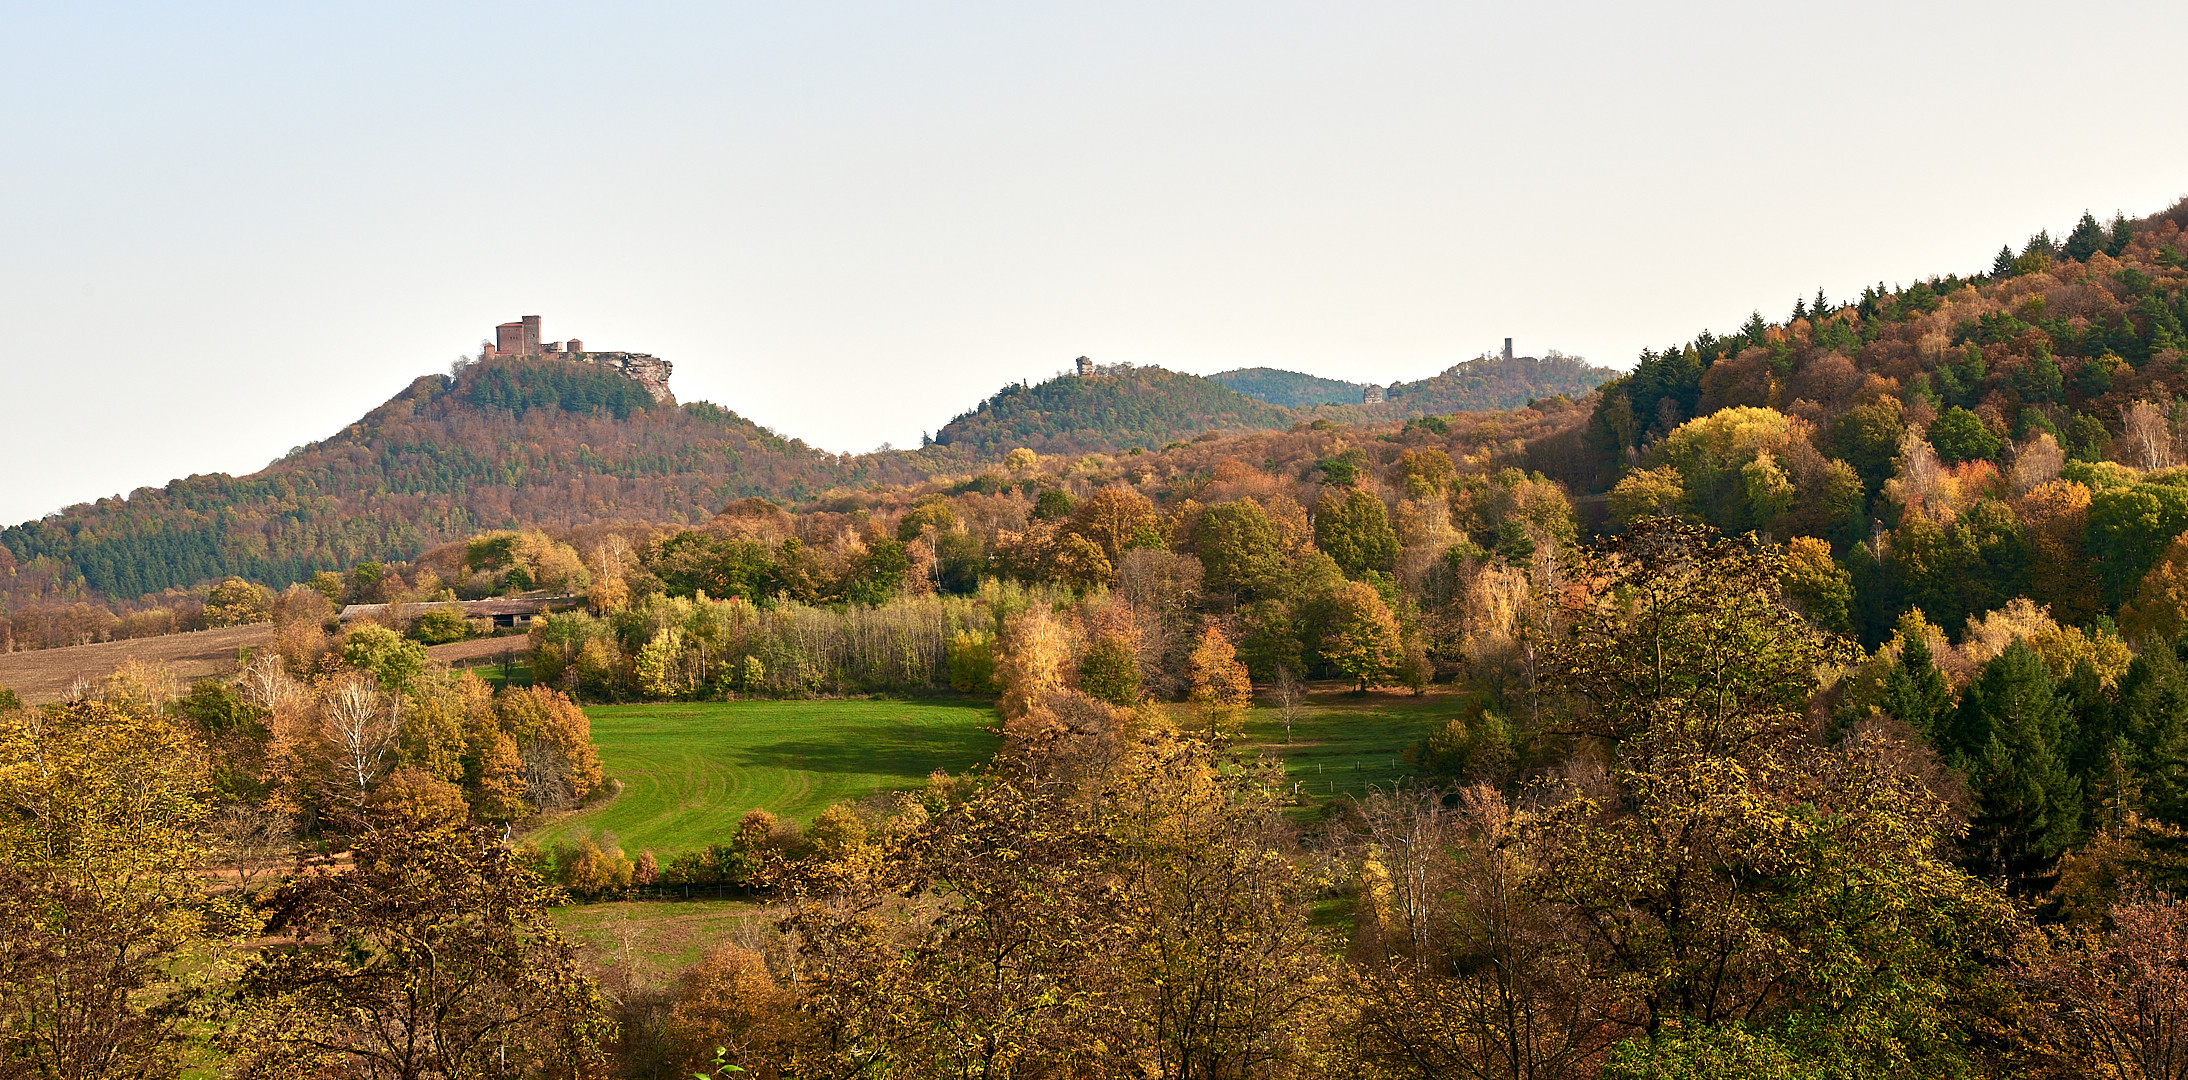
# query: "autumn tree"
[[1241, 551], [360, 725], [1817, 585], [1138, 918], [434, 957], [1116, 519], [2147, 435], [1030, 662], [1647, 493], [1709, 887], [1364, 642], [1355, 530], [235, 602], [1110, 670], [2120, 994], [554, 740], [1219, 687], [1462, 971], [100, 811]]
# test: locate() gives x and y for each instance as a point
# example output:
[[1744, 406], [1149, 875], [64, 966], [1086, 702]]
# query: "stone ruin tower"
[[1371, 395], [1086, 367], [522, 339]]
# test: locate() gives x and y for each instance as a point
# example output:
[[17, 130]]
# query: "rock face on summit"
[[651, 372]]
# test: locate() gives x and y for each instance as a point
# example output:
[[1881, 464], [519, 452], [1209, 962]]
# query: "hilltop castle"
[[521, 339]]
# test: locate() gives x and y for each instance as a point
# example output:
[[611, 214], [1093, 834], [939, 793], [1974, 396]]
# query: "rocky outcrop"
[[648, 371]]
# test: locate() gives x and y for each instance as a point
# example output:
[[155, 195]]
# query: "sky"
[[229, 229]]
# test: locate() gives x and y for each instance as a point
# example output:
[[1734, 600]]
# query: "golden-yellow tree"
[[100, 817], [1029, 662], [1220, 689]]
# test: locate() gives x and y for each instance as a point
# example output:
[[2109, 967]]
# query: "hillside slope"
[[1491, 383], [510, 442], [1291, 389], [1121, 408]]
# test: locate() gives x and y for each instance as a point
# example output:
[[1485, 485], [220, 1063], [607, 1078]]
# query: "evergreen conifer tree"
[[2008, 735], [2122, 232], [1914, 690], [2002, 265], [2086, 240], [2151, 730]]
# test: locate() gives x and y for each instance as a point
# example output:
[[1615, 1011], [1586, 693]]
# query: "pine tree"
[[1820, 307], [2086, 240], [2002, 265], [2008, 737], [2151, 730], [1914, 690], [2122, 232], [1800, 310]]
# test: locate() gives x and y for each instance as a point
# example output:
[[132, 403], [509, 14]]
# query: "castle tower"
[[519, 338], [1086, 367], [1508, 349]]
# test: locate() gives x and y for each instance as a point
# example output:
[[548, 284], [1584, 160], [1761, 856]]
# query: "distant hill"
[[544, 442], [1487, 384], [509, 442], [1120, 408], [1291, 389], [1492, 382]]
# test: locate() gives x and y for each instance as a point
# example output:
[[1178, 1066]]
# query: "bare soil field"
[[477, 651], [44, 675]]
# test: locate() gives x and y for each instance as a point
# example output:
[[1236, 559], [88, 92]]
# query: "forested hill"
[[1957, 443], [509, 442], [1291, 389], [1491, 383], [1120, 408]]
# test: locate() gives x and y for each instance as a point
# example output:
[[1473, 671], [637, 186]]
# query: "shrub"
[[440, 626]]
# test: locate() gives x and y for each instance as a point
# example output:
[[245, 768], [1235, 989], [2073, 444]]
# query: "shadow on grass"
[[911, 754]]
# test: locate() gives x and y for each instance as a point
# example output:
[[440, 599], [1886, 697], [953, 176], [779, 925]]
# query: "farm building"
[[504, 611]]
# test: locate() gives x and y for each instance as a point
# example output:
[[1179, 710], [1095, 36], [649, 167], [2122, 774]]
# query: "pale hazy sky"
[[229, 229]]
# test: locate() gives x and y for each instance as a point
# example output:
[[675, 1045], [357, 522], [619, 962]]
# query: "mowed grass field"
[[690, 770]]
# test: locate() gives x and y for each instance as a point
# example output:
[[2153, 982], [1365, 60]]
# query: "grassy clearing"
[[690, 770], [1346, 745], [657, 939]]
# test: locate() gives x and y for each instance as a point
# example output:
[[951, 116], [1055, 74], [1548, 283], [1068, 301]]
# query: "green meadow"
[[690, 770]]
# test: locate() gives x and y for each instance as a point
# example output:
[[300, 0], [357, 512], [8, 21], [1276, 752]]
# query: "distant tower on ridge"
[[1086, 367], [1507, 349], [519, 338]]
